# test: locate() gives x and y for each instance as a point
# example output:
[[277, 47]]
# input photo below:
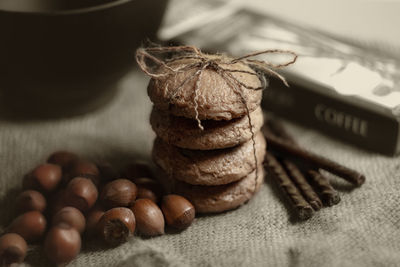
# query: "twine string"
[[269, 51], [185, 81], [230, 79], [196, 95], [154, 61]]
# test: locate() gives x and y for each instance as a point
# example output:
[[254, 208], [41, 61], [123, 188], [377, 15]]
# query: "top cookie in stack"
[[207, 120], [222, 108], [216, 99]]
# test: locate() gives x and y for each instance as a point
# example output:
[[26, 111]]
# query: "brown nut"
[[117, 225], [119, 193], [148, 188], [149, 218], [62, 243], [144, 192], [71, 216], [30, 226], [12, 249], [92, 219], [30, 200], [84, 168], [63, 158], [178, 211], [81, 193], [44, 178], [137, 169]]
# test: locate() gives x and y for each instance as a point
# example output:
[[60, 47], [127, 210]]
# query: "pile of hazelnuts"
[[68, 198]]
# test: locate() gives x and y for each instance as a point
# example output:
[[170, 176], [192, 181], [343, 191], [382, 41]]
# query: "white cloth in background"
[[369, 22]]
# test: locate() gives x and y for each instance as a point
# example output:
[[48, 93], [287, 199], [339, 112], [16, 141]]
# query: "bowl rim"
[[70, 11]]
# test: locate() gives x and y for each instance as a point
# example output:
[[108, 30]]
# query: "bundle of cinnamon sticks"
[[307, 189]]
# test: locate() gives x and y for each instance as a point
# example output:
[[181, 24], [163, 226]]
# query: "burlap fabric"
[[363, 230]]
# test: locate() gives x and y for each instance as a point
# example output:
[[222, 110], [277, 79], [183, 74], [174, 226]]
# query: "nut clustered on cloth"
[[69, 200]]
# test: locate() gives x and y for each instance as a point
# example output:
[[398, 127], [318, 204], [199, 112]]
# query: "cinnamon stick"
[[302, 207], [298, 178], [276, 128], [328, 194], [279, 145]]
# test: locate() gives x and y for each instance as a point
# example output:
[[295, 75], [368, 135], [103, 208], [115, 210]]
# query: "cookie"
[[212, 199], [209, 167], [216, 99], [185, 133]]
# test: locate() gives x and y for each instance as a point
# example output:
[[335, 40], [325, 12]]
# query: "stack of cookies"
[[206, 147]]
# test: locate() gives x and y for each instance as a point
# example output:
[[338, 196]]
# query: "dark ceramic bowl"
[[64, 57]]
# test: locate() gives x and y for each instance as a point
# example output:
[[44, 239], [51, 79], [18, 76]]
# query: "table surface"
[[362, 230]]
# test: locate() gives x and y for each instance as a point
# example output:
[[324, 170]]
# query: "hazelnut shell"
[[30, 200], [30, 226], [149, 218], [119, 193], [44, 178], [81, 193], [117, 225], [12, 249], [71, 216], [178, 211], [84, 168], [62, 243]]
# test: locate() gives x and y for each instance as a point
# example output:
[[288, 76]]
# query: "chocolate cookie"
[[185, 133], [212, 167], [212, 199], [216, 97]]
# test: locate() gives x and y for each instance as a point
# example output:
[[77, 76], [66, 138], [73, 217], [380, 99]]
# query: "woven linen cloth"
[[362, 230]]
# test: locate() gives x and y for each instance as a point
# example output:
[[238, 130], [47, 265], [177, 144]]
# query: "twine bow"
[[156, 63]]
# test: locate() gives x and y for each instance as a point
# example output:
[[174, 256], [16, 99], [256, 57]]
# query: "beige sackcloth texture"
[[362, 230]]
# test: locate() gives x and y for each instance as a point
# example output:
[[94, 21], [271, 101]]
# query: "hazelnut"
[[81, 193], [138, 169], [30, 200], [12, 249], [44, 178], [148, 188], [84, 168], [119, 193], [62, 243], [70, 216], [149, 218], [30, 226], [178, 211], [144, 192], [63, 158], [117, 225], [92, 219]]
